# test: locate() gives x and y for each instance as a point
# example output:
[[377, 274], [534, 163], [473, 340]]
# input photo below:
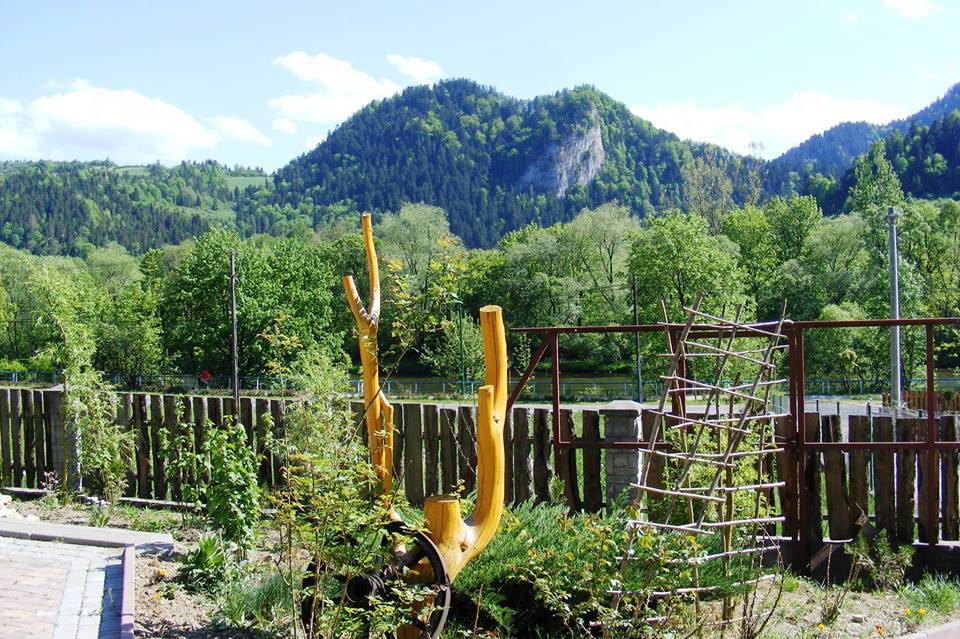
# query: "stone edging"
[[946, 631], [127, 596]]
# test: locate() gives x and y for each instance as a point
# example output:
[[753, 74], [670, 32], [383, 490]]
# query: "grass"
[[933, 592]]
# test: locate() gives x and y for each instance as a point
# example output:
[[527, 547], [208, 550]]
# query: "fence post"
[[621, 423]]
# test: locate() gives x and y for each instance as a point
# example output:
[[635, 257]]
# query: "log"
[[592, 489], [835, 480], [810, 491], [655, 473], [431, 437], [542, 471], [156, 447], [29, 449], [186, 430], [125, 421], [171, 424], [787, 473], [906, 499], [397, 446], [883, 477], [448, 450], [859, 493], [508, 458], [948, 480], [928, 526], [262, 409], [246, 418], [413, 453], [278, 412], [521, 455], [16, 436], [467, 439], [567, 460], [6, 454], [144, 490], [215, 411]]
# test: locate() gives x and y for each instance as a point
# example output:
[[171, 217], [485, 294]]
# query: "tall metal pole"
[[463, 372], [892, 215], [233, 332], [636, 336]]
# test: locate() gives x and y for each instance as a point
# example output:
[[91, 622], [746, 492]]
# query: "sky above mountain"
[[258, 83]]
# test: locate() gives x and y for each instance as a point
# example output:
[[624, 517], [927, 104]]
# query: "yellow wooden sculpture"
[[450, 542]]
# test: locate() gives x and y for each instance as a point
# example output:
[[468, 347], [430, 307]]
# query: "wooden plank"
[[924, 520], [29, 449], [357, 409], [522, 464], [448, 451], [61, 445], [508, 458], [592, 488], [883, 476], [39, 446], [810, 489], [787, 473], [467, 445], [246, 418], [215, 411], [413, 453], [144, 490], [200, 421], [156, 447], [859, 497], [16, 436], [835, 481], [171, 425], [6, 454], [431, 449], [906, 491], [46, 433], [229, 411], [655, 474], [187, 432], [125, 420], [397, 446], [262, 410], [567, 460], [542, 471], [277, 412], [948, 480]]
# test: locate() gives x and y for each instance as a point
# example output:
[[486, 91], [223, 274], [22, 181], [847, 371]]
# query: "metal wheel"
[[359, 589]]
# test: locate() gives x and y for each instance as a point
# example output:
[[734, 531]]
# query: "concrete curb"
[[150, 543], [127, 596], [946, 631]]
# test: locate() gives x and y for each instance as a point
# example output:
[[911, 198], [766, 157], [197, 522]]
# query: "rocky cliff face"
[[574, 161]]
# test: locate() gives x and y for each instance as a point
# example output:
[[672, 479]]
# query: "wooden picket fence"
[[435, 452]]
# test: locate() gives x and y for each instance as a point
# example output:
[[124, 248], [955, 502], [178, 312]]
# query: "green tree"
[[447, 351], [792, 221], [750, 228]]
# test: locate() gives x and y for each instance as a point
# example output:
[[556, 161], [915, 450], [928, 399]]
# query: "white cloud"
[[777, 127], [313, 141], [335, 89], [852, 17], [927, 74], [87, 122], [342, 89], [420, 70], [912, 8], [239, 129], [284, 125]]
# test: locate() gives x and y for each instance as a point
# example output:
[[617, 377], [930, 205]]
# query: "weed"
[[257, 601], [882, 566], [100, 516], [205, 568], [790, 582]]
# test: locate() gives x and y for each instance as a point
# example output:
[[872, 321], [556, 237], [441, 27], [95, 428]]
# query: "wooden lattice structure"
[[707, 467]]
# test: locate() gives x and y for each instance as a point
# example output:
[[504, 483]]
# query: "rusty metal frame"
[[929, 521]]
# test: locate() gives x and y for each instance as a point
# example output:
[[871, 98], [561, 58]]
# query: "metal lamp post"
[[895, 398]]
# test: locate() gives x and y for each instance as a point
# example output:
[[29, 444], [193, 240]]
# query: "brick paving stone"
[[51, 590]]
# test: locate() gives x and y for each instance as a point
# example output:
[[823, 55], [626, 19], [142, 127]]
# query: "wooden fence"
[[435, 452]]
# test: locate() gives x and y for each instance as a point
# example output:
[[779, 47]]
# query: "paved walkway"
[[52, 590]]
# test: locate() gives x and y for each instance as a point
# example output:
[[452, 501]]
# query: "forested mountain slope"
[[496, 163], [832, 152]]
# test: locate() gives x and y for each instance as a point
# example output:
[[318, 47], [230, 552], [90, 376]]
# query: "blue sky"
[[258, 83]]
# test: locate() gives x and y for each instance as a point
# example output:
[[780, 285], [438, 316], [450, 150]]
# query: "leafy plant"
[[933, 592], [883, 566], [205, 568]]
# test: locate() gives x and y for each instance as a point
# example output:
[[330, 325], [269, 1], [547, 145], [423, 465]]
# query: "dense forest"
[[493, 163], [167, 310]]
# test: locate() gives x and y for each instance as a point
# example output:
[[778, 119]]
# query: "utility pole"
[[233, 332], [892, 215], [463, 372], [636, 336]]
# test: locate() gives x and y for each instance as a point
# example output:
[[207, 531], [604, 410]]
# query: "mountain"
[[832, 152], [63, 207], [496, 163]]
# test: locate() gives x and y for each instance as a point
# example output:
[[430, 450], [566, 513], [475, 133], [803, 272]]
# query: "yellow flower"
[[906, 612], [879, 628], [821, 627], [921, 611]]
